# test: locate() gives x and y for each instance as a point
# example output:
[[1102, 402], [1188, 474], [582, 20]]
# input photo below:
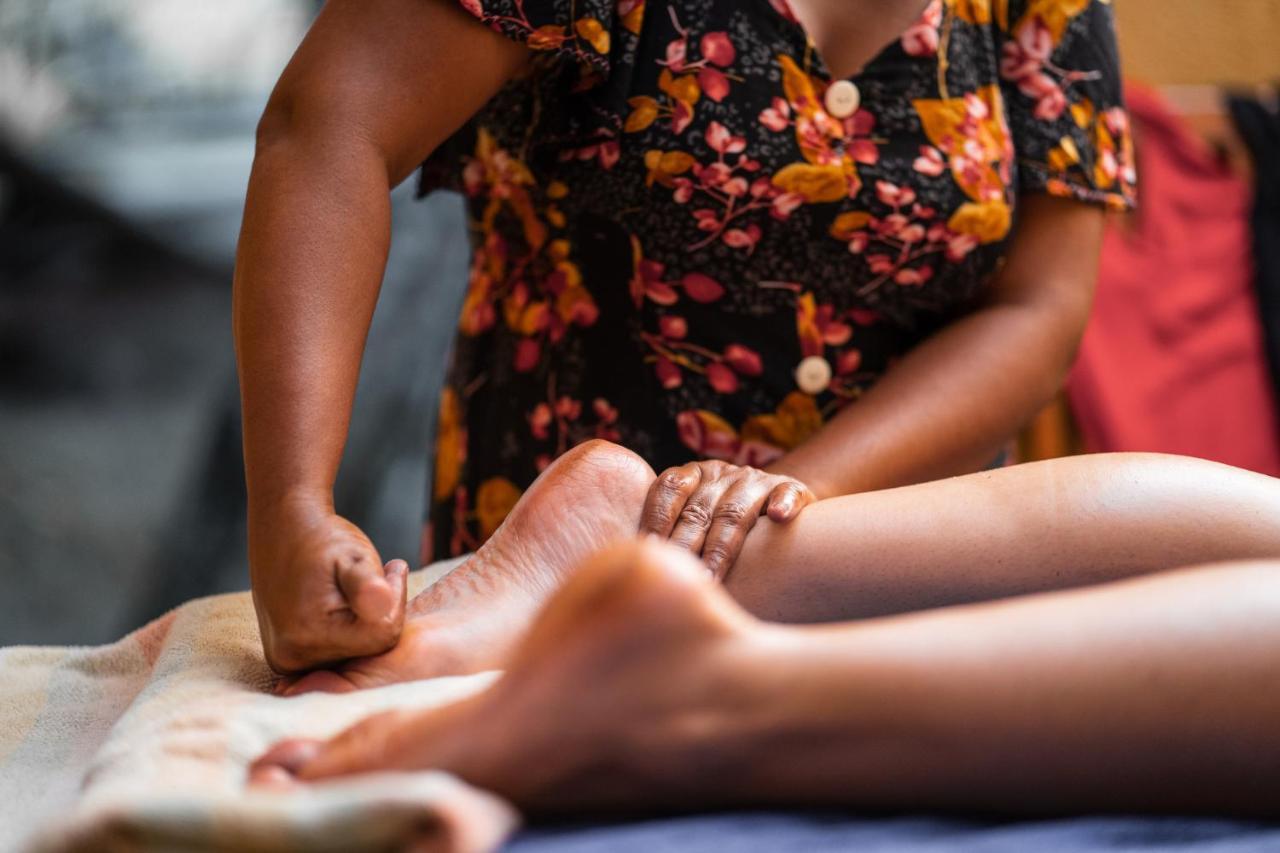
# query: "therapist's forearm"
[[311, 257], [947, 407]]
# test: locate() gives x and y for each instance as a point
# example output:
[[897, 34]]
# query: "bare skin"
[[469, 621], [374, 88], [643, 685], [1031, 528]]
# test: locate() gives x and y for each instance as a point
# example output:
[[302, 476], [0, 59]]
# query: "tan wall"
[[1200, 41]]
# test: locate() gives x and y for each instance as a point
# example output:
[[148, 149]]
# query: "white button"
[[842, 99], [813, 375]]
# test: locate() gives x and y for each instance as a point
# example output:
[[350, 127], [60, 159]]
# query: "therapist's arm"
[[947, 407], [953, 402], [373, 89]]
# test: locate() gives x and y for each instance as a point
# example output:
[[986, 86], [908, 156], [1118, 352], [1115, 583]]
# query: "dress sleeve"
[[1060, 72], [577, 30]]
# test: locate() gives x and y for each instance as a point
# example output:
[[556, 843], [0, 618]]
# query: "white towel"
[[143, 745]]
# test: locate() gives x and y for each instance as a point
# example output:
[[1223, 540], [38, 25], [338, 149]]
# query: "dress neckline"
[[785, 16]]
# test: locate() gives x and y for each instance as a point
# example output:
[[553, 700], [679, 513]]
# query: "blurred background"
[[126, 137]]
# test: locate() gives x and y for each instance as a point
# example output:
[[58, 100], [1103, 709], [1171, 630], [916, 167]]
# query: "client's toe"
[[319, 681]]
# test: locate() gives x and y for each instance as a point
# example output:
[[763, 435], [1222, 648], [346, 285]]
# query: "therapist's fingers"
[[731, 520], [667, 497], [698, 513], [787, 499]]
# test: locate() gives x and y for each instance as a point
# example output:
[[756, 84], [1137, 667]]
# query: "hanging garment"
[[1259, 126], [1172, 360]]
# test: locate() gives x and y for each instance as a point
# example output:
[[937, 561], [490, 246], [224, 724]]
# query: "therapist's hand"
[[321, 591], [709, 507]]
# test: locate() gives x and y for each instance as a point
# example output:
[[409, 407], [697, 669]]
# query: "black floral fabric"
[[682, 243]]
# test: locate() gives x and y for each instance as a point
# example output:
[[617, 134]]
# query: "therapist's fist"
[[320, 589], [710, 507]]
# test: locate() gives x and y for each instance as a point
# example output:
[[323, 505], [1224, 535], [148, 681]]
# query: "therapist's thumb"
[[376, 593]]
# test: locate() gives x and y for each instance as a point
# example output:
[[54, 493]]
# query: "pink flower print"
[[879, 264], [681, 117], [722, 141], [1051, 104], [673, 327], [743, 238], [1116, 120], [606, 417], [921, 38], [784, 9], [777, 116], [568, 408], [605, 413], [894, 195], [959, 246], [702, 288], [718, 49], [914, 277], [668, 373], [785, 204], [1027, 61], [527, 354], [707, 219], [913, 233], [744, 360], [714, 83], [722, 378], [684, 190], [676, 52], [1027, 53], [540, 422], [848, 362], [647, 282], [735, 187], [713, 175]]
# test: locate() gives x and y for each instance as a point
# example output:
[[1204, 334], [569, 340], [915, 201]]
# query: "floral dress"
[[688, 238]]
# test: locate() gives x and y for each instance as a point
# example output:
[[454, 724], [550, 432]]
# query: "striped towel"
[[143, 745]]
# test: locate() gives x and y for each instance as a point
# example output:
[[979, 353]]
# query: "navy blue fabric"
[[783, 832]]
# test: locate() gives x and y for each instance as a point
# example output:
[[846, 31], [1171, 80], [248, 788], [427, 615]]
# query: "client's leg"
[[643, 685], [1047, 525], [1034, 527]]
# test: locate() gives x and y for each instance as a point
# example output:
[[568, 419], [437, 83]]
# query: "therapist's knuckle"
[[673, 482], [696, 514], [732, 512], [719, 552]]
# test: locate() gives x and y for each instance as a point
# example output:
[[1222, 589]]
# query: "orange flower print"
[[539, 293], [495, 499], [970, 137], [451, 445], [832, 148], [763, 438], [729, 192], [684, 80]]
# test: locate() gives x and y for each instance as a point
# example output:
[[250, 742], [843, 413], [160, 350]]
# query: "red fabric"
[[1172, 360]]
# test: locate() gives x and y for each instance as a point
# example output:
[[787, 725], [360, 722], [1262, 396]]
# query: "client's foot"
[[632, 686], [590, 496]]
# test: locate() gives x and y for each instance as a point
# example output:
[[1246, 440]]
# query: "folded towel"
[[143, 745]]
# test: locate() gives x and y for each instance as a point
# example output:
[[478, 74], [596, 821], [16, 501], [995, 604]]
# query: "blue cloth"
[[813, 832]]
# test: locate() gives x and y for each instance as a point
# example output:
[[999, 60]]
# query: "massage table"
[[143, 745]]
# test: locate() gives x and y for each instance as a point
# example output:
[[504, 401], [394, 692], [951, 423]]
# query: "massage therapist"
[[783, 249]]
